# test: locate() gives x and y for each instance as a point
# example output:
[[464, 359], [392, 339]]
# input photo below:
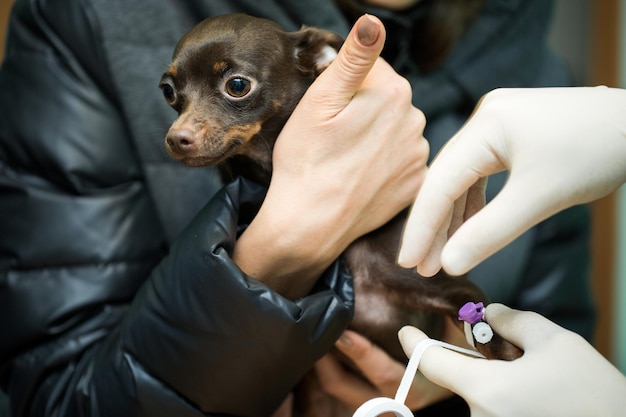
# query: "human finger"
[[444, 367], [336, 86], [525, 329], [431, 262], [375, 364], [507, 216], [385, 373], [342, 384], [461, 165]]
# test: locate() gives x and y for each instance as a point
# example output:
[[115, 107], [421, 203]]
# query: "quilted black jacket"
[[117, 293]]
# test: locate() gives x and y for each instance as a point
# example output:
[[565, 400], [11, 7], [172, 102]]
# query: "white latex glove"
[[560, 373], [562, 146]]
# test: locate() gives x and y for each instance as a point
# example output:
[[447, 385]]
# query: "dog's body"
[[235, 80]]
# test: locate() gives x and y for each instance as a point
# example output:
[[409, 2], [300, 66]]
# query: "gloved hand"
[[560, 373], [562, 146]]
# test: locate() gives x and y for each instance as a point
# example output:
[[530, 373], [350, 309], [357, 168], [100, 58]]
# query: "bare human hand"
[[351, 156]]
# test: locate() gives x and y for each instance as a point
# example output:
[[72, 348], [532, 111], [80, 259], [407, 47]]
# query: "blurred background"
[[591, 37]]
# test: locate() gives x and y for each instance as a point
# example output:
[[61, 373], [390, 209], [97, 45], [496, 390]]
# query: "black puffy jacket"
[[117, 293]]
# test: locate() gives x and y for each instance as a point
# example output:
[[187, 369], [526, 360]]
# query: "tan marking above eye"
[[172, 70], [219, 67]]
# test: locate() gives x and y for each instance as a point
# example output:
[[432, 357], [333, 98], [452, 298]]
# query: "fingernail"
[[368, 30], [344, 342]]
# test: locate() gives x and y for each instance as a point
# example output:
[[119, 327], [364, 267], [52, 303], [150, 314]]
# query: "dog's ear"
[[315, 48]]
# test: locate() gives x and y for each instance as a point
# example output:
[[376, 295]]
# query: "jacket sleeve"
[[98, 317], [241, 335]]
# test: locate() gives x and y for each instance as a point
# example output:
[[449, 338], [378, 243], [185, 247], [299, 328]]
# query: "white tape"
[[381, 405]]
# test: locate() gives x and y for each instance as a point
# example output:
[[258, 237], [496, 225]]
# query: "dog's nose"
[[180, 141]]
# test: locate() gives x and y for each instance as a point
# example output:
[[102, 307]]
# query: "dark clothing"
[[117, 293]]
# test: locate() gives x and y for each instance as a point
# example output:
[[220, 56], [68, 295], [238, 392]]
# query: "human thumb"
[[336, 86]]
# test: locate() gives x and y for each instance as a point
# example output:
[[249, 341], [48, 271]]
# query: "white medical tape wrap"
[[380, 405]]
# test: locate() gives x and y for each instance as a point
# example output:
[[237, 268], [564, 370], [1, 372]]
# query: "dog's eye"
[[168, 93], [238, 87]]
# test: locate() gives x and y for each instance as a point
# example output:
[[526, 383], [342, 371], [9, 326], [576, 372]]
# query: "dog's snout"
[[181, 141]]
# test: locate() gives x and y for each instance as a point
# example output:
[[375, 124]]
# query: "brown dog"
[[234, 80]]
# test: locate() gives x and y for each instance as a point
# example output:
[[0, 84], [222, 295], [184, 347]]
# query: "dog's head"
[[234, 80]]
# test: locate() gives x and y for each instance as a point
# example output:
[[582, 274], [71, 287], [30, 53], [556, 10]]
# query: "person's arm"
[[322, 196], [562, 146], [560, 374], [90, 325]]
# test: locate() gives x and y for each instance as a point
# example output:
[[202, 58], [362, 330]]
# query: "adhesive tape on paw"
[[469, 336], [381, 405]]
